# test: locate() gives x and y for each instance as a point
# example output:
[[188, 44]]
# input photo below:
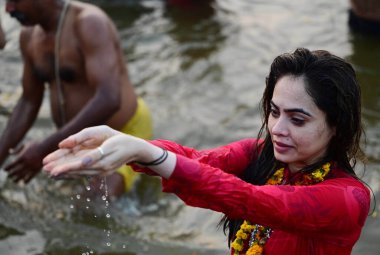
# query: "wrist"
[[156, 161], [148, 153]]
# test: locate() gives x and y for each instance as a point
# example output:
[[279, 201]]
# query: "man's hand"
[[27, 164]]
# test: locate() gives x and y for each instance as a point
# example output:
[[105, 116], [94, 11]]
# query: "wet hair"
[[331, 83]]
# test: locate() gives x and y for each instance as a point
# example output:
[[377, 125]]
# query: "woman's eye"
[[298, 122], [274, 113]]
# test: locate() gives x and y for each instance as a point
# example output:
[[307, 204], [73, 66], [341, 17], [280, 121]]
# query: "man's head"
[[27, 12]]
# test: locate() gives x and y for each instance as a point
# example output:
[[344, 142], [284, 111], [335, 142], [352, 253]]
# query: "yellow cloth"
[[139, 125]]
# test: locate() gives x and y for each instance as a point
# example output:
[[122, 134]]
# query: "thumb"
[[16, 149]]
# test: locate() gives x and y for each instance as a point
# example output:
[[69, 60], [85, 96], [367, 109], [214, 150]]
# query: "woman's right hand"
[[93, 151], [100, 151], [91, 137]]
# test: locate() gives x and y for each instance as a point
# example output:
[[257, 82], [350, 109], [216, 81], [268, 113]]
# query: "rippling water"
[[202, 72]]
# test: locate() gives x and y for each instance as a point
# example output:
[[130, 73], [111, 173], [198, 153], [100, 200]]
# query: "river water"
[[202, 72]]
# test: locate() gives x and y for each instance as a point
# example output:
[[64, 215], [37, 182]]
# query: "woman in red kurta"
[[292, 192], [325, 218]]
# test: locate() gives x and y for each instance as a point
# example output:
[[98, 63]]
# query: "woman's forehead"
[[290, 92]]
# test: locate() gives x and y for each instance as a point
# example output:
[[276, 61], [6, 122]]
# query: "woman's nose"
[[280, 127]]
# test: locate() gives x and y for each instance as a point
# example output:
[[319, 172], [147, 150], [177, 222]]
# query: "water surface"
[[202, 72]]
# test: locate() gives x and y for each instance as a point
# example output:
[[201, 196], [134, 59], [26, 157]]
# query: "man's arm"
[[27, 106], [2, 37]]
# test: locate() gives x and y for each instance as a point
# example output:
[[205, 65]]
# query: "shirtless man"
[[93, 80]]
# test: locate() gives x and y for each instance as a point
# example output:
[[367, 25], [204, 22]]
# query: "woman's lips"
[[281, 147]]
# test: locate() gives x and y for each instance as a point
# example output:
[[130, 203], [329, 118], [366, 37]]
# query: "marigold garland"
[[259, 234]]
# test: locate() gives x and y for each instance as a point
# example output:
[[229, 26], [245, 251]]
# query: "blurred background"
[[201, 69]]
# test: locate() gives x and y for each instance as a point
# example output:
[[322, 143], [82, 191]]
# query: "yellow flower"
[[255, 250], [279, 173], [317, 175], [241, 235], [237, 247], [326, 167]]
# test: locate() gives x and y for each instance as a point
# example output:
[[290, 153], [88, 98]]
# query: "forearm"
[[231, 158], [97, 111], [2, 38], [18, 124], [291, 208]]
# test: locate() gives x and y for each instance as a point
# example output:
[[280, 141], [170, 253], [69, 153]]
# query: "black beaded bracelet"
[[157, 161]]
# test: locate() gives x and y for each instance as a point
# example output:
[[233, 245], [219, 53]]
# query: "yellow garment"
[[139, 125]]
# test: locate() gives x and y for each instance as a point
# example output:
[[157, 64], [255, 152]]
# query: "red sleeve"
[[325, 209], [231, 158]]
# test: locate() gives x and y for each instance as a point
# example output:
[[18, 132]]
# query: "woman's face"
[[298, 128]]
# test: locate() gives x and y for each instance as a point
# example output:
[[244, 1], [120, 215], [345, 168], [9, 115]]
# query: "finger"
[[63, 158], [85, 136], [30, 176], [94, 156], [16, 149], [84, 173], [12, 165], [17, 173], [55, 155], [76, 164]]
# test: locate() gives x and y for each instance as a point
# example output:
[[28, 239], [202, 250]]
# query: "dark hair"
[[331, 82]]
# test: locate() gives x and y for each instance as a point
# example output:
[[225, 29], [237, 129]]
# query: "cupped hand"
[[27, 163], [88, 138], [78, 155]]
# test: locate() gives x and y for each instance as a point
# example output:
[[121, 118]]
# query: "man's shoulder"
[[87, 12]]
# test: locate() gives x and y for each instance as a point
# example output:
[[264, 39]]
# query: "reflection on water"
[[365, 55], [195, 29], [202, 72]]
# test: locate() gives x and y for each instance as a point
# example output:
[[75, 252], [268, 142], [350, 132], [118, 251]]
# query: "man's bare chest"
[[49, 60]]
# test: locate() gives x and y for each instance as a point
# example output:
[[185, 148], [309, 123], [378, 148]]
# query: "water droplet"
[[104, 197], [71, 206], [88, 188], [88, 200], [108, 244], [78, 196], [87, 207], [108, 215], [124, 246]]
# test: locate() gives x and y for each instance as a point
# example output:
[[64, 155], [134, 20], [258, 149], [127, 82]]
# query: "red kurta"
[[325, 218]]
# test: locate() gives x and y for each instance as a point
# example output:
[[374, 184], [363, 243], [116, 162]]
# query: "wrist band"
[[157, 161]]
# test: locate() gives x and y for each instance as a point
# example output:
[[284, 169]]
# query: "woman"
[[292, 192]]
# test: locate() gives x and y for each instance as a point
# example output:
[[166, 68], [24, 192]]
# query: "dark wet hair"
[[331, 82]]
